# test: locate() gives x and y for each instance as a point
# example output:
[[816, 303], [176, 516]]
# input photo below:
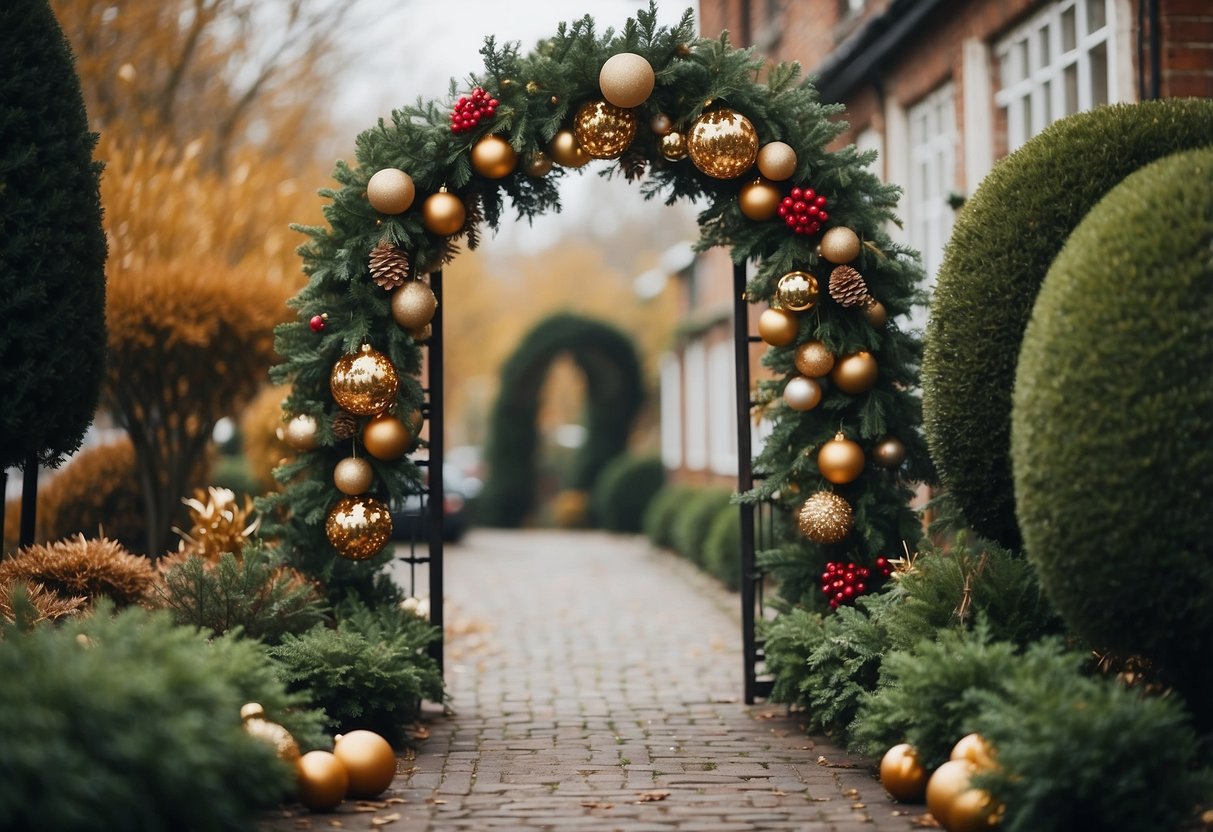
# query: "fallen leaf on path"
[[385, 819], [778, 793], [372, 805], [652, 795], [395, 801], [303, 823], [851, 793], [336, 824], [597, 804], [925, 822], [822, 761], [858, 806]]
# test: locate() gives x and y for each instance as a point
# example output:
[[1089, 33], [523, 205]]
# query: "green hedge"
[[624, 491], [658, 523], [722, 546], [693, 520]]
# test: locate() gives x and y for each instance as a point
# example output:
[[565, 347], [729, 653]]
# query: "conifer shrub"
[[624, 490], [694, 518], [659, 516], [80, 566], [722, 547]]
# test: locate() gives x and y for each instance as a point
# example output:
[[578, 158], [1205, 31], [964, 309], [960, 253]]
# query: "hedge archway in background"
[[1002, 245], [614, 393], [1112, 425]]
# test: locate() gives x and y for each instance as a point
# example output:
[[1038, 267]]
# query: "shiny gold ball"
[[814, 359], [948, 782], [825, 518], [778, 327], [443, 213], [840, 460], [855, 373], [974, 810], [369, 761], [390, 191], [802, 393], [321, 781], [493, 157], [797, 291], [364, 383], [422, 334], [722, 143], [414, 304], [358, 527], [565, 150], [777, 161], [975, 749], [387, 438], [536, 163], [301, 432], [353, 476], [875, 313], [603, 130], [902, 773], [674, 146], [626, 80], [759, 199], [252, 715], [839, 245], [661, 124], [889, 452]]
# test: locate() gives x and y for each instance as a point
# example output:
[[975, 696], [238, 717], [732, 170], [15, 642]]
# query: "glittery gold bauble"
[[855, 373], [364, 382], [661, 124], [256, 725], [443, 213], [626, 79], [493, 157], [536, 163], [974, 810], [802, 393], [875, 313], [759, 199], [674, 146], [320, 780], [975, 749], [825, 518], [369, 761], [390, 191], [777, 161], [358, 527], [797, 291], [814, 359], [948, 782], [839, 245], [778, 327], [565, 151], [353, 476], [902, 773], [840, 460], [889, 452], [603, 130], [414, 304], [722, 143], [300, 432], [386, 437]]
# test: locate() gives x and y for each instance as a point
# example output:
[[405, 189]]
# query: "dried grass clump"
[[82, 566], [38, 600]]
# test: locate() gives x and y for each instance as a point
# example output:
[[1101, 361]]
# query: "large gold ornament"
[[387, 438], [353, 476], [801, 393], [948, 782], [626, 80], [840, 460], [369, 761], [902, 773], [493, 157], [414, 304], [855, 373], [840, 244], [390, 191], [358, 527], [875, 313], [565, 151], [975, 749], [603, 130], [443, 213], [321, 781], [674, 146], [256, 725], [797, 291], [537, 163], [974, 810], [722, 143], [301, 431], [759, 199], [825, 518], [364, 382], [778, 327], [814, 359], [777, 161], [889, 452]]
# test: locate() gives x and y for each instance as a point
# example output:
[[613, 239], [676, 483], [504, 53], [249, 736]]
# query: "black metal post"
[[437, 491], [745, 473], [29, 501]]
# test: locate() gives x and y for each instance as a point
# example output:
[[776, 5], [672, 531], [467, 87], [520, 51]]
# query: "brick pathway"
[[596, 685]]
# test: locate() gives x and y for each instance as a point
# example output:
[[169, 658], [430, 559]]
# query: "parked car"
[[411, 522]]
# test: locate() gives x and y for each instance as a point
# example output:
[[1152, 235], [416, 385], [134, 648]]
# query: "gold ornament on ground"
[[387, 438], [855, 373], [847, 287], [358, 527], [875, 313], [840, 245], [369, 761], [389, 265], [353, 476], [364, 382], [759, 199], [974, 810], [493, 157], [537, 163], [902, 773], [603, 130], [390, 191], [889, 452], [840, 460], [778, 327], [801, 393], [301, 432], [777, 161], [661, 124], [321, 781], [722, 143], [414, 305], [825, 518], [814, 359], [674, 146], [565, 151], [626, 80], [256, 725], [797, 291], [975, 749], [948, 782], [443, 213]]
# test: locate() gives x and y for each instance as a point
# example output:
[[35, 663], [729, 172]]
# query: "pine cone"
[[344, 425], [847, 287], [389, 266]]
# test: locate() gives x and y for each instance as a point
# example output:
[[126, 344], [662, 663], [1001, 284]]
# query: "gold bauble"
[[722, 143], [855, 373], [626, 80], [797, 291], [759, 199], [603, 130], [353, 476], [778, 327], [358, 527], [414, 304], [422, 334], [536, 163], [390, 191], [802, 393], [814, 359], [777, 161], [369, 761], [661, 124], [975, 749], [493, 157], [974, 810], [565, 151], [674, 146], [252, 715], [948, 782], [889, 452], [301, 432], [839, 245], [320, 780], [902, 773], [840, 460], [825, 518], [875, 313], [443, 213], [387, 438], [364, 383]]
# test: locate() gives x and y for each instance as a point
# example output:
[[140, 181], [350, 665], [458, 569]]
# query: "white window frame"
[[671, 410], [695, 406], [722, 417], [932, 175]]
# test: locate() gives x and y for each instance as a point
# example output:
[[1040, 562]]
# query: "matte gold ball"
[[443, 213], [369, 761], [975, 749], [902, 773], [422, 334], [759, 199], [778, 327], [320, 780], [802, 393], [722, 143], [889, 452], [301, 432], [840, 460], [358, 527], [855, 373], [797, 291], [353, 476], [603, 130], [493, 157], [537, 163], [565, 151], [875, 313], [674, 146], [387, 438], [365, 382], [661, 124], [414, 304], [839, 245], [390, 191], [252, 716], [825, 518], [777, 161], [974, 810], [814, 359], [948, 782], [627, 79]]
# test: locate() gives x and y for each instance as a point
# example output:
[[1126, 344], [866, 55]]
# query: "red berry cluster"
[[470, 109], [844, 582], [803, 210]]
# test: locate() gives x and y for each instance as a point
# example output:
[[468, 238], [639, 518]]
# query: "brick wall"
[[1187, 54]]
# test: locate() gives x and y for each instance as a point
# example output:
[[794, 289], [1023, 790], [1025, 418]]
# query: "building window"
[[932, 175], [722, 425], [1061, 62], [870, 139], [671, 410], [695, 406]]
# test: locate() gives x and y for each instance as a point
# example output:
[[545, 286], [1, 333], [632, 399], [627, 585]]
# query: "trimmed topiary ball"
[[1002, 245], [1112, 425], [624, 490]]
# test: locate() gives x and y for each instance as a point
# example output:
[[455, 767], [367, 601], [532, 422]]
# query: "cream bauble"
[[802, 393], [353, 476], [777, 161], [301, 432], [390, 191], [626, 79]]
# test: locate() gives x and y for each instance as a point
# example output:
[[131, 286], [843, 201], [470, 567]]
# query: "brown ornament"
[[661, 124], [369, 761], [358, 527], [847, 287], [855, 373], [875, 313], [493, 157], [759, 199], [423, 334], [320, 780], [797, 291], [603, 130], [814, 359], [364, 382], [778, 327], [902, 773], [975, 749], [974, 810], [301, 432], [948, 782], [674, 146], [889, 452], [839, 244], [722, 143], [390, 191], [801, 393], [777, 161], [565, 151], [443, 213], [626, 80], [252, 715], [387, 438], [389, 265], [353, 476], [414, 305], [536, 163], [825, 518], [840, 460]]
